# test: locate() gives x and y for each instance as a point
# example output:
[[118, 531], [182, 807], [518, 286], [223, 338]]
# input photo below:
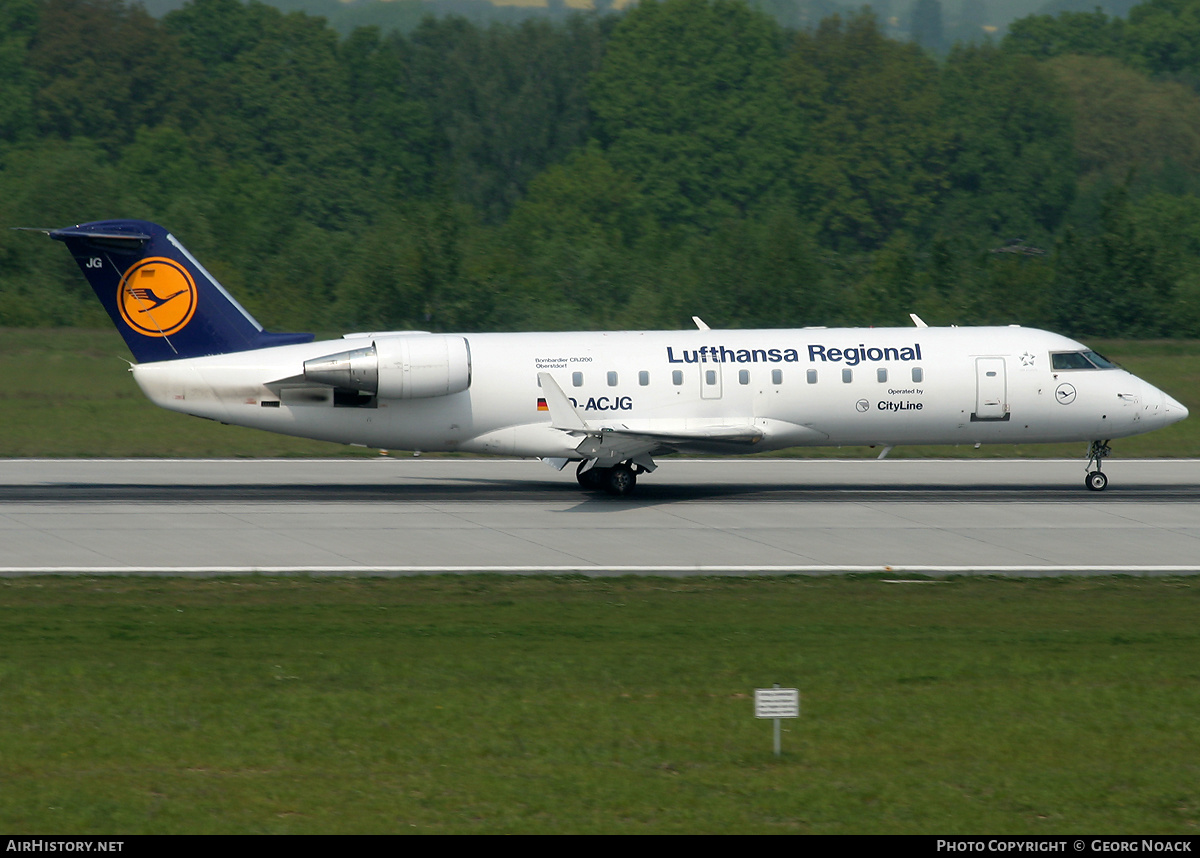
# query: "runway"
[[392, 516]]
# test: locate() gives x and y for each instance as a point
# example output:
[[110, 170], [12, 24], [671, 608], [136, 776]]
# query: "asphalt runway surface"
[[397, 516]]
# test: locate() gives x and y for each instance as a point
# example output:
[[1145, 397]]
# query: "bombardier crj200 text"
[[608, 401]]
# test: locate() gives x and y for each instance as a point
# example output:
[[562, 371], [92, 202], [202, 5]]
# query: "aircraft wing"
[[617, 443], [621, 444]]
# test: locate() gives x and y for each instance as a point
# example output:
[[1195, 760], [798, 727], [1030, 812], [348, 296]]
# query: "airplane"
[[609, 401]]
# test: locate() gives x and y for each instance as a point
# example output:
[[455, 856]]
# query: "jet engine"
[[415, 366]]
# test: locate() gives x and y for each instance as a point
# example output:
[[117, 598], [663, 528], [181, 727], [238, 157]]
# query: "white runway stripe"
[[599, 571]]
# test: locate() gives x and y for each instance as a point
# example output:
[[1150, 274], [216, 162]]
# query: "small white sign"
[[777, 703]]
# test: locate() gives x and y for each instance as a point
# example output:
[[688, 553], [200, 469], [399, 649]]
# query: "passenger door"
[[991, 389]]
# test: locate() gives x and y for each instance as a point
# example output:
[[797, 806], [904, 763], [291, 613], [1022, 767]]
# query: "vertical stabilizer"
[[164, 303]]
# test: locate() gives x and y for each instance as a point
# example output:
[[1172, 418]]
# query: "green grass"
[[487, 704], [65, 393]]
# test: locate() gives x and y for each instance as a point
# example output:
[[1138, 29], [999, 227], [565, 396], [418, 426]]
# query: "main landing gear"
[[618, 480], [1095, 480]]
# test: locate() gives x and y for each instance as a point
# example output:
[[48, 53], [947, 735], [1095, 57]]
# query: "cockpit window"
[[1100, 360], [1069, 360], [1080, 360]]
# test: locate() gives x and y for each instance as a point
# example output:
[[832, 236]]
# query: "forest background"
[[615, 169]]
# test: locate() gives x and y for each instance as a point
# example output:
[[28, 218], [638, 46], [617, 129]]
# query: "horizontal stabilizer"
[[132, 237]]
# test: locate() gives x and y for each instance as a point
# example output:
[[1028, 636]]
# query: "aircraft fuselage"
[[805, 387]]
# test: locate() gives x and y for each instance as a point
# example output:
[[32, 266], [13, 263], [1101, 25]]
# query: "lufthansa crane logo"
[[157, 297]]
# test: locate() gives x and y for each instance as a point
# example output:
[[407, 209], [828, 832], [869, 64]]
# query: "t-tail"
[[162, 300]]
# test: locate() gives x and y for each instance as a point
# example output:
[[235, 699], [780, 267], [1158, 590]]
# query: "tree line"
[[685, 157]]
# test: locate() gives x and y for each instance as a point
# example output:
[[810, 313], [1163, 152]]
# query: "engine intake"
[[417, 366]]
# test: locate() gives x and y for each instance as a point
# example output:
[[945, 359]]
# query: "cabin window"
[[812, 376], [612, 379], [776, 376], [881, 375], [643, 378], [847, 376], [918, 374], [577, 379], [743, 376], [677, 377], [710, 376]]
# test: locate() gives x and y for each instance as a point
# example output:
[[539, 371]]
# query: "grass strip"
[[459, 704]]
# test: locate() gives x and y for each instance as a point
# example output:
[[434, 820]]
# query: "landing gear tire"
[[592, 479], [621, 480], [1098, 451]]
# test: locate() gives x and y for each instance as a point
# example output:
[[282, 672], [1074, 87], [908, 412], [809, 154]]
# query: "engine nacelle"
[[417, 366]]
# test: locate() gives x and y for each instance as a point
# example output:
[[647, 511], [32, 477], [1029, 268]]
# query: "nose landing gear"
[[1095, 480]]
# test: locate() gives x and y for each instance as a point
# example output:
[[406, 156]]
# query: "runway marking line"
[[1066, 571]]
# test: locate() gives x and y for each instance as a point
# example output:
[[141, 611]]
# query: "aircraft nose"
[[1160, 408], [1173, 410], [1168, 410]]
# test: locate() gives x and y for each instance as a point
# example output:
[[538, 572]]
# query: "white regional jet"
[[609, 401]]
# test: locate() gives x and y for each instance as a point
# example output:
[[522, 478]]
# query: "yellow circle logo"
[[157, 297]]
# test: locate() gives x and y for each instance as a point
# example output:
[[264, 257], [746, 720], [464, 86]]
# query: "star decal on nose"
[[1027, 359]]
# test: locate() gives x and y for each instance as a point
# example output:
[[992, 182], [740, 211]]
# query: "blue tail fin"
[[161, 299]]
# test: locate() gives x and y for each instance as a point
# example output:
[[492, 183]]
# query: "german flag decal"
[[542, 406]]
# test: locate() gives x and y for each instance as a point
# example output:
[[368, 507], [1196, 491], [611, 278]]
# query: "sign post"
[[776, 703]]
